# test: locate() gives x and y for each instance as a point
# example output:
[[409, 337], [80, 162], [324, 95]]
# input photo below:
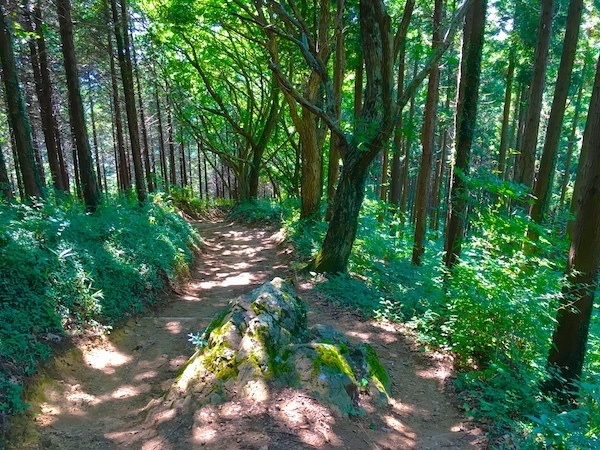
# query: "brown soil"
[[97, 394]]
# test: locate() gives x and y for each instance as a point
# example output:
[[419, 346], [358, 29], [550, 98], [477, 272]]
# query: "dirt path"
[[95, 396]]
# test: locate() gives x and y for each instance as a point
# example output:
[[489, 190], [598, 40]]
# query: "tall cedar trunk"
[[439, 177], [161, 140], [95, 139], [536, 92], [545, 175], [504, 131], [338, 79], [569, 340], [16, 164], [358, 85], [172, 168], [125, 180], [522, 105], [427, 140], [87, 178], [150, 176], [39, 60], [572, 141], [182, 164], [122, 39], [5, 184], [15, 109], [468, 95], [397, 158], [199, 170]]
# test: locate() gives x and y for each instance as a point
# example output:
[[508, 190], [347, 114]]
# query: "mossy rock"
[[261, 338]]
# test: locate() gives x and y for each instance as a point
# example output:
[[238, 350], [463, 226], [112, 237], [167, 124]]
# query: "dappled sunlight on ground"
[[101, 394], [106, 359]]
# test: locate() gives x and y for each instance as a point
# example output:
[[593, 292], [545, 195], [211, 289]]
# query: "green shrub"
[[63, 271]]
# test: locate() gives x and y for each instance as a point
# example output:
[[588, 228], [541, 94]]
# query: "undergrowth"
[[63, 271], [494, 314]]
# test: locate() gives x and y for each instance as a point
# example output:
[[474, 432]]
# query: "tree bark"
[[536, 92], [122, 39], [5, 185], [504, 131], [39, 59], [427, 140], [572, 141], [87, 178], [161, 141], [15, 109], [542, 188], [122, 171], [465, 126], [569, 339], [338, 79], [172, 168]]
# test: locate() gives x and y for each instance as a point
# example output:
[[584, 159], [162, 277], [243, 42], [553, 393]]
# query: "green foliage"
[[186, 201], [258, 212], [65, 271], [494, 313]]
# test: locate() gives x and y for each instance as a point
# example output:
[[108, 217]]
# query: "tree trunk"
[[89, 185], [569, 340], [427, 140], [162, 156], [335, 252], [536, 92], [123, 51], [95, 139], [572, 141], [15, 109], [39, 59], [338, 79], [123, 172], [150, 176], [542, 188], [504, 131], [468, 95], [170, 131], [5, 185]]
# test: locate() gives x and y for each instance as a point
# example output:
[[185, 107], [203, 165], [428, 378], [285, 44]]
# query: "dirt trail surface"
[[96, 395]]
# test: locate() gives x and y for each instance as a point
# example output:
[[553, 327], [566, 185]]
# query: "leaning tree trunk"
[[89, 185], [465, 126], [569, 340], [15, 109], [337, 246]]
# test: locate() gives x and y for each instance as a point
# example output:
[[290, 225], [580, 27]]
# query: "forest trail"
[[94, 396]]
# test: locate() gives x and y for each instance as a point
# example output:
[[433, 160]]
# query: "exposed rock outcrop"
[[262, 341]]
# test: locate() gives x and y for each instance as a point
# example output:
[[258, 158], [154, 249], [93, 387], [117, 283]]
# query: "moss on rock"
[[262, 338]]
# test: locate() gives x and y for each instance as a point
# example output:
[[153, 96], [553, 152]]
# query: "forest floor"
[[95, 395]]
